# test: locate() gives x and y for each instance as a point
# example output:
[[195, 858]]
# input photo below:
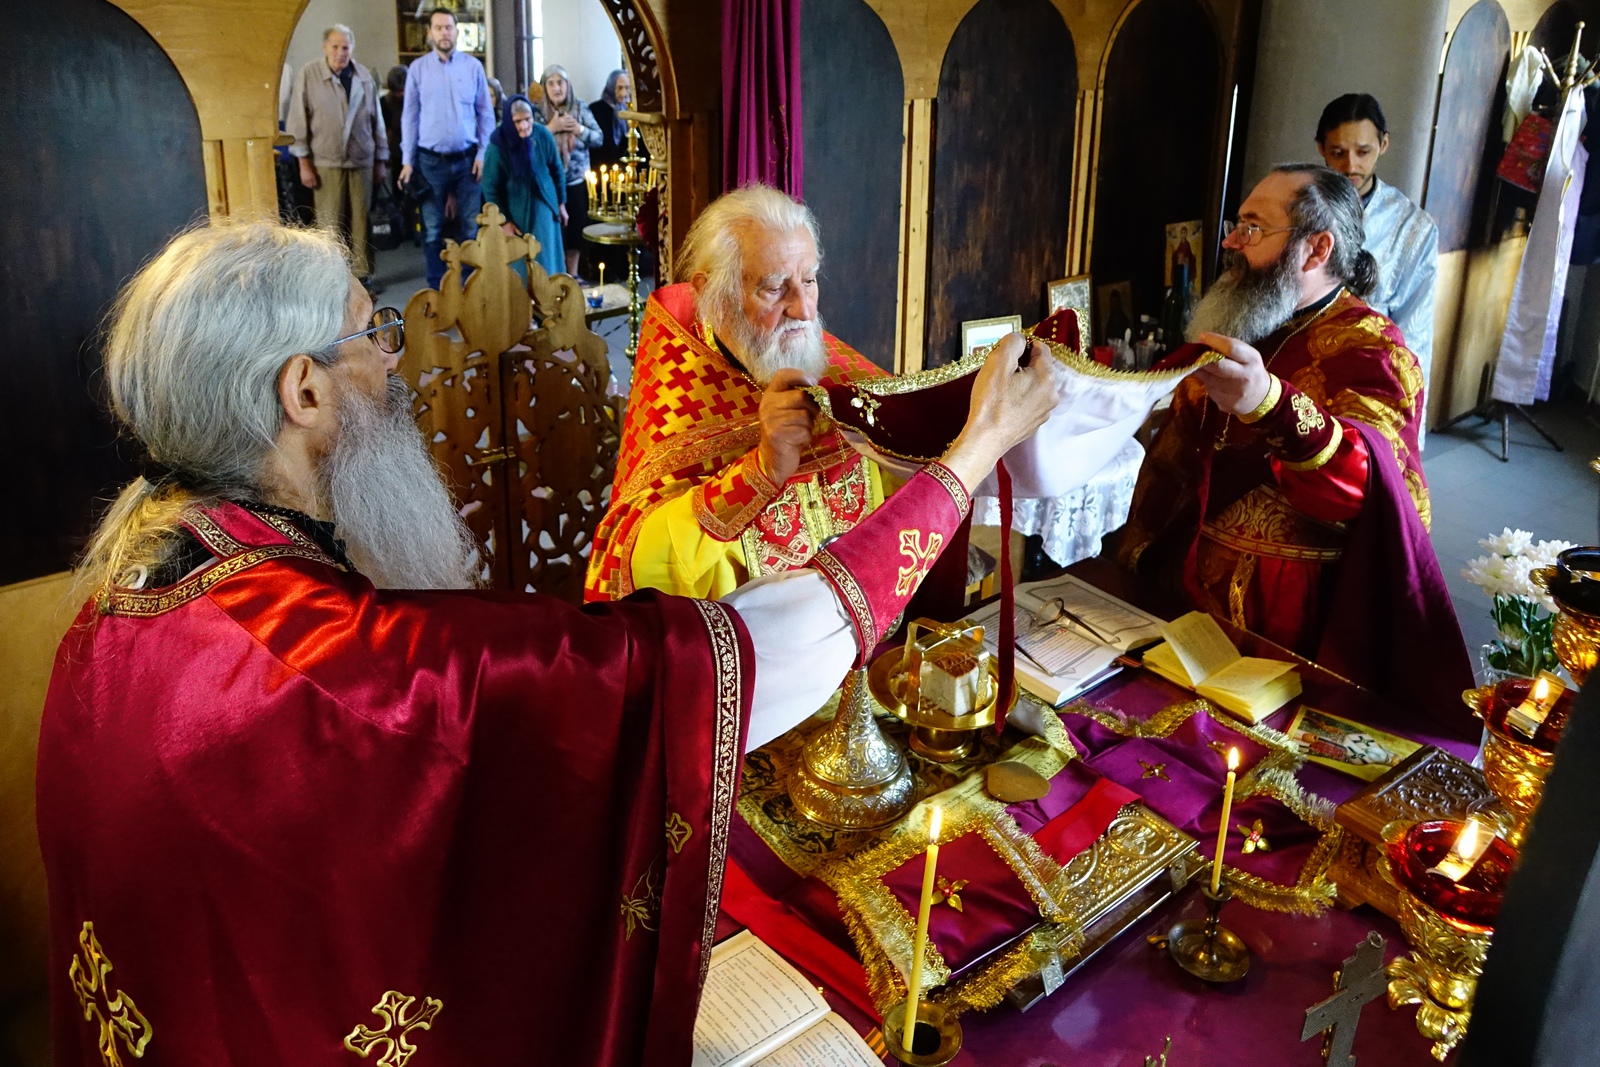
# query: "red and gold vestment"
[[1251, 515], [691, 509]]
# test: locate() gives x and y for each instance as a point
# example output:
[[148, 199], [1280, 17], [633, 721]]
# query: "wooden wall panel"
[[88, 198], [852, 94], [1003, 129], [1158, 140]]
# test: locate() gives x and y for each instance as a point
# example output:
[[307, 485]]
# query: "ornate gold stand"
[[1207, 949], [930, 1019], [850, 776], [1440, 974]]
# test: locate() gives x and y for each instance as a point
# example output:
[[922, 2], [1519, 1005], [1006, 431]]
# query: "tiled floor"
[[1553, 495]]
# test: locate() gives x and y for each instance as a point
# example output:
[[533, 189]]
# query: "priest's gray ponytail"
[[192, 355], [1328, 203]]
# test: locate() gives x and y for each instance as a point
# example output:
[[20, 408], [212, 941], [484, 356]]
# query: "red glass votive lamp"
[[1472, 902], [1510, 693]]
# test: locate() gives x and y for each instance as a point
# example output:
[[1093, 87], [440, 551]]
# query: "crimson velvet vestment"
[[1307, 522], [288, 818]]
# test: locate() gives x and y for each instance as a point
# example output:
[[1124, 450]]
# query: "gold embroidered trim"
[[641, 907], [947, 478], [1083, 364], [724, 638], [1273, 776], [1239, 585], [141, 605], [221, 543], [398, 1021], [117, 1017], [678, 832], [854, 598], [1270, 401], [1264, 523], [1321, 459]]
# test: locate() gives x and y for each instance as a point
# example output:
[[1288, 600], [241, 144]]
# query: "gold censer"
[[850, 776]]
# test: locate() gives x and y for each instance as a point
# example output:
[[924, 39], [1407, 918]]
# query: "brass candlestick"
[[1207, 949], [617, 217], [937, 1034], [850, 776]]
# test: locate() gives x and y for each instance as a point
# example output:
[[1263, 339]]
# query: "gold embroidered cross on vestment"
[[1154, 770], [116, 1015], [398, 1022], [1308, 418], [920, 555]]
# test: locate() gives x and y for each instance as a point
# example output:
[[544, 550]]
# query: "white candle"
[[1222, 828], [913, 1000]]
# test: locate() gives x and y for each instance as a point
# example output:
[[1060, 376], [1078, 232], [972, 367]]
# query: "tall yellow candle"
[[605, 193], [914, 998], [590, 178], [1222, 828]]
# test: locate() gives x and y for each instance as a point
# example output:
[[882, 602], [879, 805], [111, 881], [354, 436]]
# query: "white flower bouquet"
[[1523, 613]]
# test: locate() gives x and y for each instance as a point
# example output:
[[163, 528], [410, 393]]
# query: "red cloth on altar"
[[278, 794]]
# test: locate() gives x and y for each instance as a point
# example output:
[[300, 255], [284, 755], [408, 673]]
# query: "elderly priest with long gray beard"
[[1284, 490], [302, 790]]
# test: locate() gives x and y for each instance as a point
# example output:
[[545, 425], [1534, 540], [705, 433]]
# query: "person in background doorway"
[[576, 135], [340, 141], [616, 98], [445, 129], [1402, 237], [522, 175]]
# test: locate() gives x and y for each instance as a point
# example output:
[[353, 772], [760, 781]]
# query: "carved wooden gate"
[[510, 390]]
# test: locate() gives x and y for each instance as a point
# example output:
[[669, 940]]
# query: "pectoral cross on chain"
[[1360, 981]]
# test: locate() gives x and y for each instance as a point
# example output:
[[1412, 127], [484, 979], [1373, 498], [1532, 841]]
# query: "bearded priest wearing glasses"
[[303, 792], [1284, 491]]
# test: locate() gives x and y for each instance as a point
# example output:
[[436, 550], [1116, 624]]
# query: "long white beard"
[[388, 501], [1246, 304], [793, 345]]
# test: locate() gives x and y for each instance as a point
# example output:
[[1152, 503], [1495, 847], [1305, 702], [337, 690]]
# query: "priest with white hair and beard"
[[1284, 489], [722, 477], [304, 793]]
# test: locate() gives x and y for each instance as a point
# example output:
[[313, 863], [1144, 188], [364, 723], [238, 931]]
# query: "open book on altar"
[[1059, 660], [757, 1011], [1198, 655]]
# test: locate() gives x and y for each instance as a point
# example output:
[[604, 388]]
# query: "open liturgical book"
[[1199, 656], [1058, 660], [757, 1011]]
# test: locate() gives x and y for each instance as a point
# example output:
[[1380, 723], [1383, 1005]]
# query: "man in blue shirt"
[[444, 131]]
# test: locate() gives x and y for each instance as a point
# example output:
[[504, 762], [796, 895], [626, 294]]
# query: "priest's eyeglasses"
[[1249, 233], [388, 330], [1054, 612]]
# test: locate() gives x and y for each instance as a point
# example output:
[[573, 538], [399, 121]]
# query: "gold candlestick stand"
[[616, 223], [1207, 949], [933, 1022]]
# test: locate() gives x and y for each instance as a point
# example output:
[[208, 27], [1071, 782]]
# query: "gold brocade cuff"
[[1274, 394], [1321, 458]]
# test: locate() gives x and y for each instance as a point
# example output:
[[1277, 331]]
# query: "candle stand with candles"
[[1447, 916], [616, 196]]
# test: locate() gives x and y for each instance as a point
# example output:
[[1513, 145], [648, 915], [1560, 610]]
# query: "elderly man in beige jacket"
[[340, 141]]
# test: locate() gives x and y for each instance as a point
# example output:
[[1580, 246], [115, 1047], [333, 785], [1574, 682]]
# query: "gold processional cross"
[[398, 1022], [1360, 981], [119, 1019]]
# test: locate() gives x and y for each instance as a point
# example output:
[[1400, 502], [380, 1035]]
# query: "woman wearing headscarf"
[[576, 134], [522, 173], [613, 129]]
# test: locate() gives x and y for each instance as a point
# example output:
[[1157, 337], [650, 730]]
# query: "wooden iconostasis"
[[1061, 139]]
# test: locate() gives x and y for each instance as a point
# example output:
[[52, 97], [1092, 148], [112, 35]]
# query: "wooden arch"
[[649, 65]]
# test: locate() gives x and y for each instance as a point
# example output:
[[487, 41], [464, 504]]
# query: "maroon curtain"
[[761, 94]]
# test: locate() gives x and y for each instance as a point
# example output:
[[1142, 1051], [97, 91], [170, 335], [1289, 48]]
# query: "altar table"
[[1121, 1005]]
